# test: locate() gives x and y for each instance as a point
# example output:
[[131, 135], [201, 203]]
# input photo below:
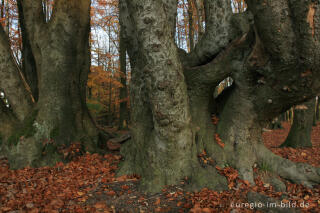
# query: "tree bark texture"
[[270, 51], [300, 132], [10, 80], [60, 49], [124, 115]]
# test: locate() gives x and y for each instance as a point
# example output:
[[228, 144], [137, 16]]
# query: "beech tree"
[[271, 51], [56, 62]]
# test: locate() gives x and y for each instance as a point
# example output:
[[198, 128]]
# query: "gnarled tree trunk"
[[172, 91], [61, 53], [124, 113]]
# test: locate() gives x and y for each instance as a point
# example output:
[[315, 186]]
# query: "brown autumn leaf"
[[35, 210], [100, 205], [219, 141], [125, 187], [179, 204], [206, 210], [57, 203], [158, 209], [215, 119], [157, 202], [111, 193]]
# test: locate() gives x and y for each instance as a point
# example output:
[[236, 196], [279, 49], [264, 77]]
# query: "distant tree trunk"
[[2, 9], [191, 28], [123, 119], [200, 16], [276, 124], [300, 132], [62, 58]]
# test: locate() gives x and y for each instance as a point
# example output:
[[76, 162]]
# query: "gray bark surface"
[[10, 80], [300, 132], [271, 51], [60, 49]]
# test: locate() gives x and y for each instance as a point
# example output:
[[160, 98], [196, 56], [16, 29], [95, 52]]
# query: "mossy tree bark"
[[10, 80], [172, 91], [28, 67], [62, 60], [300, 132], [124, 113]]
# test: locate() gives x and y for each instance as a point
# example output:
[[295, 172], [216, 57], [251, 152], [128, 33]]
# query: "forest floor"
[[88, 184]]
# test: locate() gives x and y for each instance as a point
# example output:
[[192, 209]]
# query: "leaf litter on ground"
[[89, 184]]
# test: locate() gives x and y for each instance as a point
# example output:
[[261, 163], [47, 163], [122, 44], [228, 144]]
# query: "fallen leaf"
[[100, 205], [157, 202]]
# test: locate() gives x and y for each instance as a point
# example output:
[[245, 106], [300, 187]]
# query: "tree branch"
[[33, 16], [217, 33], [211, 74], [289, 38], [65, 11]]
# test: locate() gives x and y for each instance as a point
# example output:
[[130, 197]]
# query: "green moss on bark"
[[26, 130], [54, 133]]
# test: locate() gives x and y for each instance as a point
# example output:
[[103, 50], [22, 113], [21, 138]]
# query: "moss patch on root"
[[26, 129], [54, 133]]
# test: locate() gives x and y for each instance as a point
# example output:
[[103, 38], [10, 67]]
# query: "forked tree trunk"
[[300, 132], [61, 52], [28, 67], [172, 92]]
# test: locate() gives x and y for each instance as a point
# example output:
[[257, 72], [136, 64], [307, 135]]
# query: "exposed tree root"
[[300, 173], [207, 178]]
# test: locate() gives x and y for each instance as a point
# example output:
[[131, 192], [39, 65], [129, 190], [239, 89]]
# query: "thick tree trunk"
[[11, 82], [300, 132], [8, 121], [241, 130], [171, 94], [160, 113], [123, 118], [28, 62], [61, 52]]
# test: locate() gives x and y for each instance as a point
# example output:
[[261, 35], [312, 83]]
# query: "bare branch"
[[217, 33]]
